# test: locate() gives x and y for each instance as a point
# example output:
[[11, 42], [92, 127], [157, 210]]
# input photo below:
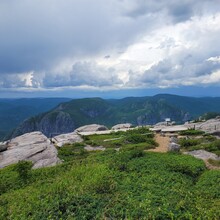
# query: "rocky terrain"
[[36, 147], [33, 146]]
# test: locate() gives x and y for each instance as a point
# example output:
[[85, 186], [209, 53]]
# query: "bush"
[[215, 145], [135, 138], [209, 138], [192, 132], [186, 143], [23, 168]]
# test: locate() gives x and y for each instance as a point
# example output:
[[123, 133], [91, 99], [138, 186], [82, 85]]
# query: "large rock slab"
[[91, 128], [203, 154], [69, 138], [34, 147], [210, 126], [122, 126], [175, 128]]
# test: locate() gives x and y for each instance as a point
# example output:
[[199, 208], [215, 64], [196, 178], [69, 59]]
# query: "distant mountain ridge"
[[15, 111], [136, 110]]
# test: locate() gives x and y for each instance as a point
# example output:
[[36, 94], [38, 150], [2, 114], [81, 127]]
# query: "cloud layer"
[[104, 45]]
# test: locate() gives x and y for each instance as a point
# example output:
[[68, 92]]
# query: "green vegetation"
[[210, 115], [119, 185], [141, 138], [23, 168], [126, 184], [192, 132], [207, 142]]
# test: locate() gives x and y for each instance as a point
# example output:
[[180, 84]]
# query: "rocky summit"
[[34, 147]]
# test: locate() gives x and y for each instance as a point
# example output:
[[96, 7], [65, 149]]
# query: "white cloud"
[[214, 59]]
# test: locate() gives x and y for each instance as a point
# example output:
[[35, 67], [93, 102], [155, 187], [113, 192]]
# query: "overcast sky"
[[109, 48]]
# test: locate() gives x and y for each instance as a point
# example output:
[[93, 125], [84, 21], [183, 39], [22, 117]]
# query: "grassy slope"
[[152, 186], [129, 184]]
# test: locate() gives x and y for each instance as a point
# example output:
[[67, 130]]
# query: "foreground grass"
[[129, 184], [125, 184]]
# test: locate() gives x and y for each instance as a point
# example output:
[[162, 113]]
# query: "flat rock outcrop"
[[91, 128], [210, 126], [122, 126], [34, 147], [69, 138], [203, 154]]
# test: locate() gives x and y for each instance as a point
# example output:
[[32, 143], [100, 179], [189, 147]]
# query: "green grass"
[[129, 184], [125, 184], [140, 137]]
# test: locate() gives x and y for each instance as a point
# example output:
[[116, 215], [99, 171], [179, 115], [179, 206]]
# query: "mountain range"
[[15, 111], [70, 115]]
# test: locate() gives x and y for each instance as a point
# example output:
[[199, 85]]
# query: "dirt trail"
[[163, 144]]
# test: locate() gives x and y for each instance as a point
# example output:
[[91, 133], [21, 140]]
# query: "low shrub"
[[135, 138], [192, 132], [24, 170], [186, 143]]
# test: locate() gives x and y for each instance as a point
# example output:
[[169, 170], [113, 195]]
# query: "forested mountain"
[[136, 110], [15, 111]]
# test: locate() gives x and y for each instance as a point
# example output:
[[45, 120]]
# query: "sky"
[[111, 48]]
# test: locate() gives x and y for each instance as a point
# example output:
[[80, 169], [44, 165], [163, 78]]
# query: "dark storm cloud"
[[35, 35]]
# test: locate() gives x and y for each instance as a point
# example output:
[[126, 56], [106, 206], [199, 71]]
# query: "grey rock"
[[50, 124], [175, 128], [68, 138], [203, 154], [90, 148], [3, 147], [122, 126], [209, 126], [34, 147], [91, 128], [174, 139], [174, 147]]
